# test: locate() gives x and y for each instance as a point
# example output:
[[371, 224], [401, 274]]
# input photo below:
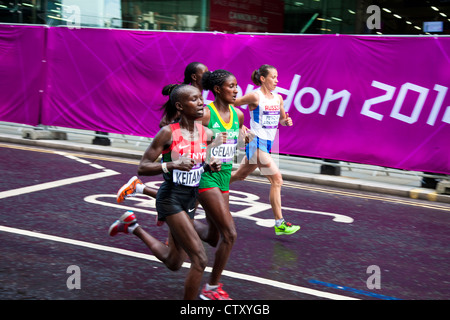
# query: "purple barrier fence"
[[22, 73], [374, 100]]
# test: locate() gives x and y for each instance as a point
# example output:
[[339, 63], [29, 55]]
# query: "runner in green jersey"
[[219, 116], [225, 152]]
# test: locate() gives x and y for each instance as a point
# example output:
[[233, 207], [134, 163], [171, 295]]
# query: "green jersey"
[[225, 152]]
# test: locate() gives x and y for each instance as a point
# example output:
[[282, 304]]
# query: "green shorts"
[[219, 179]]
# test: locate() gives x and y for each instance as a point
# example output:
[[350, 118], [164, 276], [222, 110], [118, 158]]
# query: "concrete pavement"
[[353, 176]]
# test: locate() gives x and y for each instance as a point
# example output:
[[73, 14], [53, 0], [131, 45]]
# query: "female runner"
[[266, 111], [183, 149], [221, 117]]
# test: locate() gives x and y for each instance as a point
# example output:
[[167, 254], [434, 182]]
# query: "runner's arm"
[[148, 165], [251, 99], [245, 135], [285, 119]]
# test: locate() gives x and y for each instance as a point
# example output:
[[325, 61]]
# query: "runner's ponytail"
[[263, 71]]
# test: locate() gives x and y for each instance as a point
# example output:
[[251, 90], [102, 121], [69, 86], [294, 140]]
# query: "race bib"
[[224, 152], [270, 119], [188, 178]]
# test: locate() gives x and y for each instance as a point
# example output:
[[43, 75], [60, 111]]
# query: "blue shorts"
[[257, 143]]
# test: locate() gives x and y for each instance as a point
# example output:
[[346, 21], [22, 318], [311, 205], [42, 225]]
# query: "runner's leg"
[[150, 192], [207, 232], [183, 242], [183, 232], [172, 255], [270, 170], [216, 205], [245, 168]]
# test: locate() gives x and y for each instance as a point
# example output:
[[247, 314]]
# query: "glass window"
[[272, 16], [319, 17], [22, 11], [183, 15]]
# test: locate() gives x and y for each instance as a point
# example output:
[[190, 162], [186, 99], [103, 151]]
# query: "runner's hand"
[[287, 120], [249, 135], [183, 164], [219, 139], [215, 164]]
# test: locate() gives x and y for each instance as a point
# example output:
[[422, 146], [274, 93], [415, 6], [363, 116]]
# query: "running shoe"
[[286, 228], [214, 294], [128, 189], [122, 225]]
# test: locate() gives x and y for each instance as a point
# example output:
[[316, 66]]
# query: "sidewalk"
[[355, 177]]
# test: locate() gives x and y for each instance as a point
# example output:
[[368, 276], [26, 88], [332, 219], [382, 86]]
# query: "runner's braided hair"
[[174, 92], [215, 78]]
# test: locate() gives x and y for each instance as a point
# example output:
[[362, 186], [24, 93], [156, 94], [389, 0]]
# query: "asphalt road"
[[56, 208]]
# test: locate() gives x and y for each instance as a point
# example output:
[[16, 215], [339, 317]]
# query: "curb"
[[369, 186], [74, 146]]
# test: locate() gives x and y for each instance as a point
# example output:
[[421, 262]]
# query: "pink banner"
[[375, 100], [22, 73]]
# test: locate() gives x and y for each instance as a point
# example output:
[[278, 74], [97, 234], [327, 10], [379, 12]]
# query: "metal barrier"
[[126, 138]]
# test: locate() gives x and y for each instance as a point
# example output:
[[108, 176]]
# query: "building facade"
[[412, 17]]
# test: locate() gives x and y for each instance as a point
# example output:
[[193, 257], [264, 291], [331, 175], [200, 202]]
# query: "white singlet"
[[265, 117]]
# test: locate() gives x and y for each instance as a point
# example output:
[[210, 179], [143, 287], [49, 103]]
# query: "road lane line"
[[358, 291], [366, 196], [231, 274], [57, 183]]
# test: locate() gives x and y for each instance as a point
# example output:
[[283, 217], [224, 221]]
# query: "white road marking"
[[248, 201], [55, 184], [97, 166], [137, 200], [59, 183], [231, 274]]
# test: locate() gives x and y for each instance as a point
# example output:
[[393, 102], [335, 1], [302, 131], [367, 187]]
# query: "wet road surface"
[[56, 208]]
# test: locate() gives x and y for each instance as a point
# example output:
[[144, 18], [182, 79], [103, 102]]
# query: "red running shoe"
[[214, 294], [121, 225]]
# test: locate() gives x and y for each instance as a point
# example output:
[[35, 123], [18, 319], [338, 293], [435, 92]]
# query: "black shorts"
[[172, 198]]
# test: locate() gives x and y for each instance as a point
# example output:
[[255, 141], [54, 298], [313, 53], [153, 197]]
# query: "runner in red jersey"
[[183, 148]]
